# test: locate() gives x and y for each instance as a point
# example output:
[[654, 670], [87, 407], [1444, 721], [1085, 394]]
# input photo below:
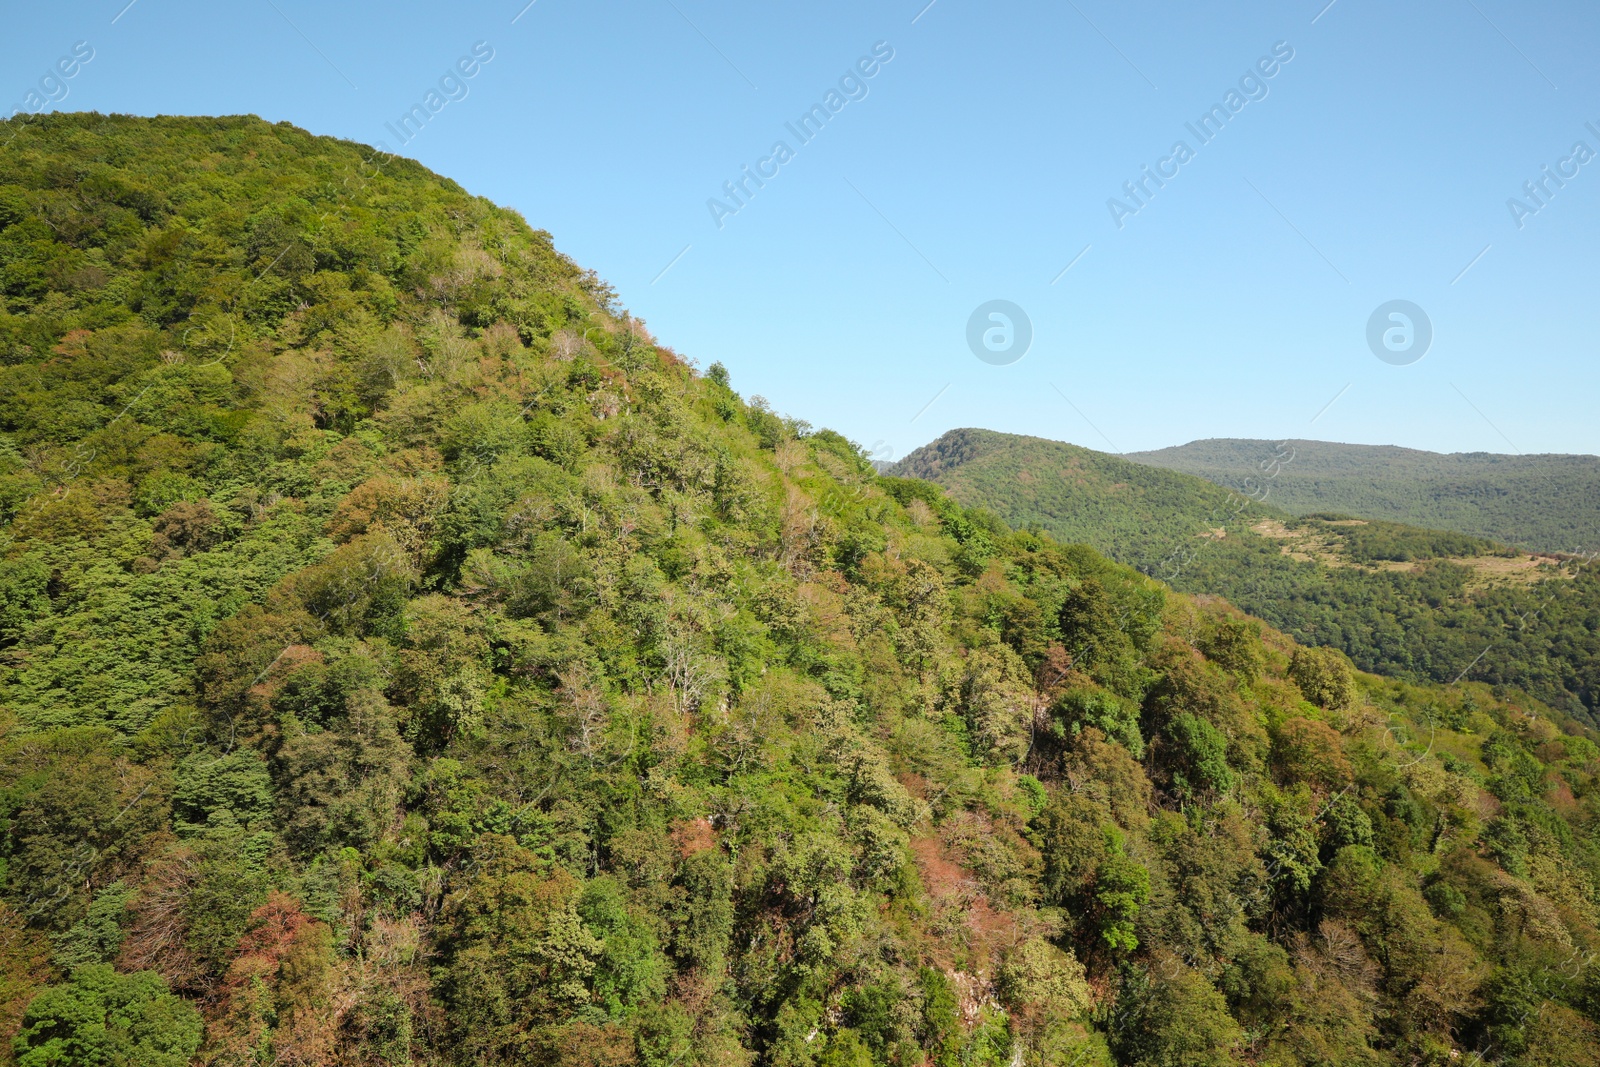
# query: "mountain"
[[1546, 503], [1399, 600], [1136, 512], [406, 659]]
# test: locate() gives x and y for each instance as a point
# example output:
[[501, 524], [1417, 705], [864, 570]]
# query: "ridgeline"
[[1544, 503]]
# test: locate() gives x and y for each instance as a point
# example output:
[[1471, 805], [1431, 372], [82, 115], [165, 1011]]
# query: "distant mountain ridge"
[[1133, 511], [1546, 503], [1398, 599]]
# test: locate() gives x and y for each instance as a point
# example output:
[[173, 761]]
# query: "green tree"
[[1200, 755], [1112, 715], [1042, 984], [227, 792], [1121, 888], [1323, 676], [520, 955], [1235, 645], [941, 1018], [97, 936], [102, 1017], [1183, 1022]]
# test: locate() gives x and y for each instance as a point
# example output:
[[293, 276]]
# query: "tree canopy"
[[406, 659]]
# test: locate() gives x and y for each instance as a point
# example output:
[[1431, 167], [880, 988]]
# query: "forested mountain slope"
[[406, 660], [1546, 503], [1081, 495], [1412, 603]]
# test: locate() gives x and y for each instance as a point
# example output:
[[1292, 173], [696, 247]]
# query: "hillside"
[[1408, 602], [1545, 503], [405, 659], [1078, 494]]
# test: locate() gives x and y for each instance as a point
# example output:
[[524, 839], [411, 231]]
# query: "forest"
[[407, 659], [1547, 503], [1430, 621]]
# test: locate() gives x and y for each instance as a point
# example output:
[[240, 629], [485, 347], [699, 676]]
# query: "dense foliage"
[[1427, 622], [1546, 503], [408, 661]]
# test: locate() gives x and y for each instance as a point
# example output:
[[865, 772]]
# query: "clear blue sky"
[[977, 166]]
